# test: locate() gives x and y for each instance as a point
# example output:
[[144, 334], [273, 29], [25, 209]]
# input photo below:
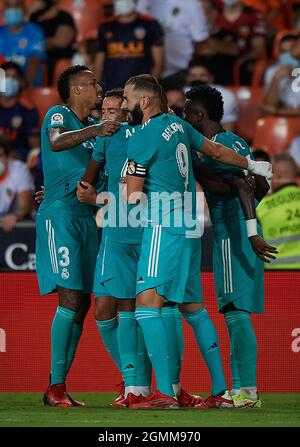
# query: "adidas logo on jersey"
[[141, 281]]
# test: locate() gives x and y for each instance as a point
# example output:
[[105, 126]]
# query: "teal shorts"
[[170, 263], [116, 269], [66, 250], [238, 272]]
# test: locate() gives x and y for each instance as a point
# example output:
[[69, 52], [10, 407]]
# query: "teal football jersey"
[[161, 152], [113, 152], [226, 208], [63, 169]]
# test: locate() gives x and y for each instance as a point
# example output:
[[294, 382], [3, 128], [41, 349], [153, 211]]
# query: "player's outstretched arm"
[[60, 139], [262, 186], [92, 170], [245, 193], [228, 156]]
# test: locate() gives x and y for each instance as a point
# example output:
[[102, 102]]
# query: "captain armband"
[[135, 169]]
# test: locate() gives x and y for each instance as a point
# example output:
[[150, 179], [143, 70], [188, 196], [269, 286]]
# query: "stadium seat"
[[87, 14], [279, 36], [274, 134], [249, 101], [61, 65], [43, 98]]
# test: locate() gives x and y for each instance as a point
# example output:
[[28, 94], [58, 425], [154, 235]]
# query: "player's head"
[[111, 106], [78, 85], [141, 93], [4, 152], [14, 12], [204, 104], [284, 171]]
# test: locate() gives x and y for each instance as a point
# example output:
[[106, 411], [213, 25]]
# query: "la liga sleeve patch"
[[57, 118]]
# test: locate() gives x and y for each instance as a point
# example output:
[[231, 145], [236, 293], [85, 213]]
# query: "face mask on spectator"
[[78, 59], [124, 7], [12, 86], [13, 16], [2, 167], [288, 59]]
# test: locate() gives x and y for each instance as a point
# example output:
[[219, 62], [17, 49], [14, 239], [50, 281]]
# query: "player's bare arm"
[[225, 155], [245, 193], [135, 187], [262, 186], [61, 139]]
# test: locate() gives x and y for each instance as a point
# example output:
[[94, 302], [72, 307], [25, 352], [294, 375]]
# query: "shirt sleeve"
[[156, 34], [25, 181], [58, 117], [139, 157], [100, 150], [197, 22]]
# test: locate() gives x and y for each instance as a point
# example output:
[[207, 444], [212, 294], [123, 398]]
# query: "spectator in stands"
[[200, 72], [85, 53], [59, 30], [19, 120], [260, 155], [22, 42], [16, 189], [185, 28], [279, 214], [130, 44], [282, 95], [273, 12], [238, 37]]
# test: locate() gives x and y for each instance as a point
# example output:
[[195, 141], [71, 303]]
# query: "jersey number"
[[183, 162], [65, 261]]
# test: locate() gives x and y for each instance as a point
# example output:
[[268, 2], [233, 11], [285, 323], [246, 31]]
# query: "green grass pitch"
[[27, 410]]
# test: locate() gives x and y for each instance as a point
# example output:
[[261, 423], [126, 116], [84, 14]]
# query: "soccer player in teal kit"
[[238, 249], [66, 245], [160, 162]]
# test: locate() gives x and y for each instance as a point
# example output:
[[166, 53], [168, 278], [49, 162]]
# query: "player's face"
[[111, 109], [131, 104], [190, 114], [89, 89]]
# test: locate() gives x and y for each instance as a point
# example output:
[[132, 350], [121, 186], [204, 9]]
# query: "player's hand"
[[262, 249], [263, 168], [107, 128], [39, 195], [9, 222], [86, 193]]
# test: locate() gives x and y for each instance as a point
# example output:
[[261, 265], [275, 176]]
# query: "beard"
[[135, 116]]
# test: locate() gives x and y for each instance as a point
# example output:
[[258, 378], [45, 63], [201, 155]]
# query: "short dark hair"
[[210, 99], [202, 62], [14, 66], [5, 144], [146, 82], [63, 83], [114, 92]]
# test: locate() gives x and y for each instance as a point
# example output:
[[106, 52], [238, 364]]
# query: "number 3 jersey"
[[160, 152]]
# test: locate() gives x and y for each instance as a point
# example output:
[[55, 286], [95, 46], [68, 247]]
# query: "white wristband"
[[251, 225], [251, 164]]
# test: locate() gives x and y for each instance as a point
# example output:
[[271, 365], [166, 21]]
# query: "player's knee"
[[190, 307], [71, 299], [105, 309]]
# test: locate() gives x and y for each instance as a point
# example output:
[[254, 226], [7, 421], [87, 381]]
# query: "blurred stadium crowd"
[[248, 49]]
